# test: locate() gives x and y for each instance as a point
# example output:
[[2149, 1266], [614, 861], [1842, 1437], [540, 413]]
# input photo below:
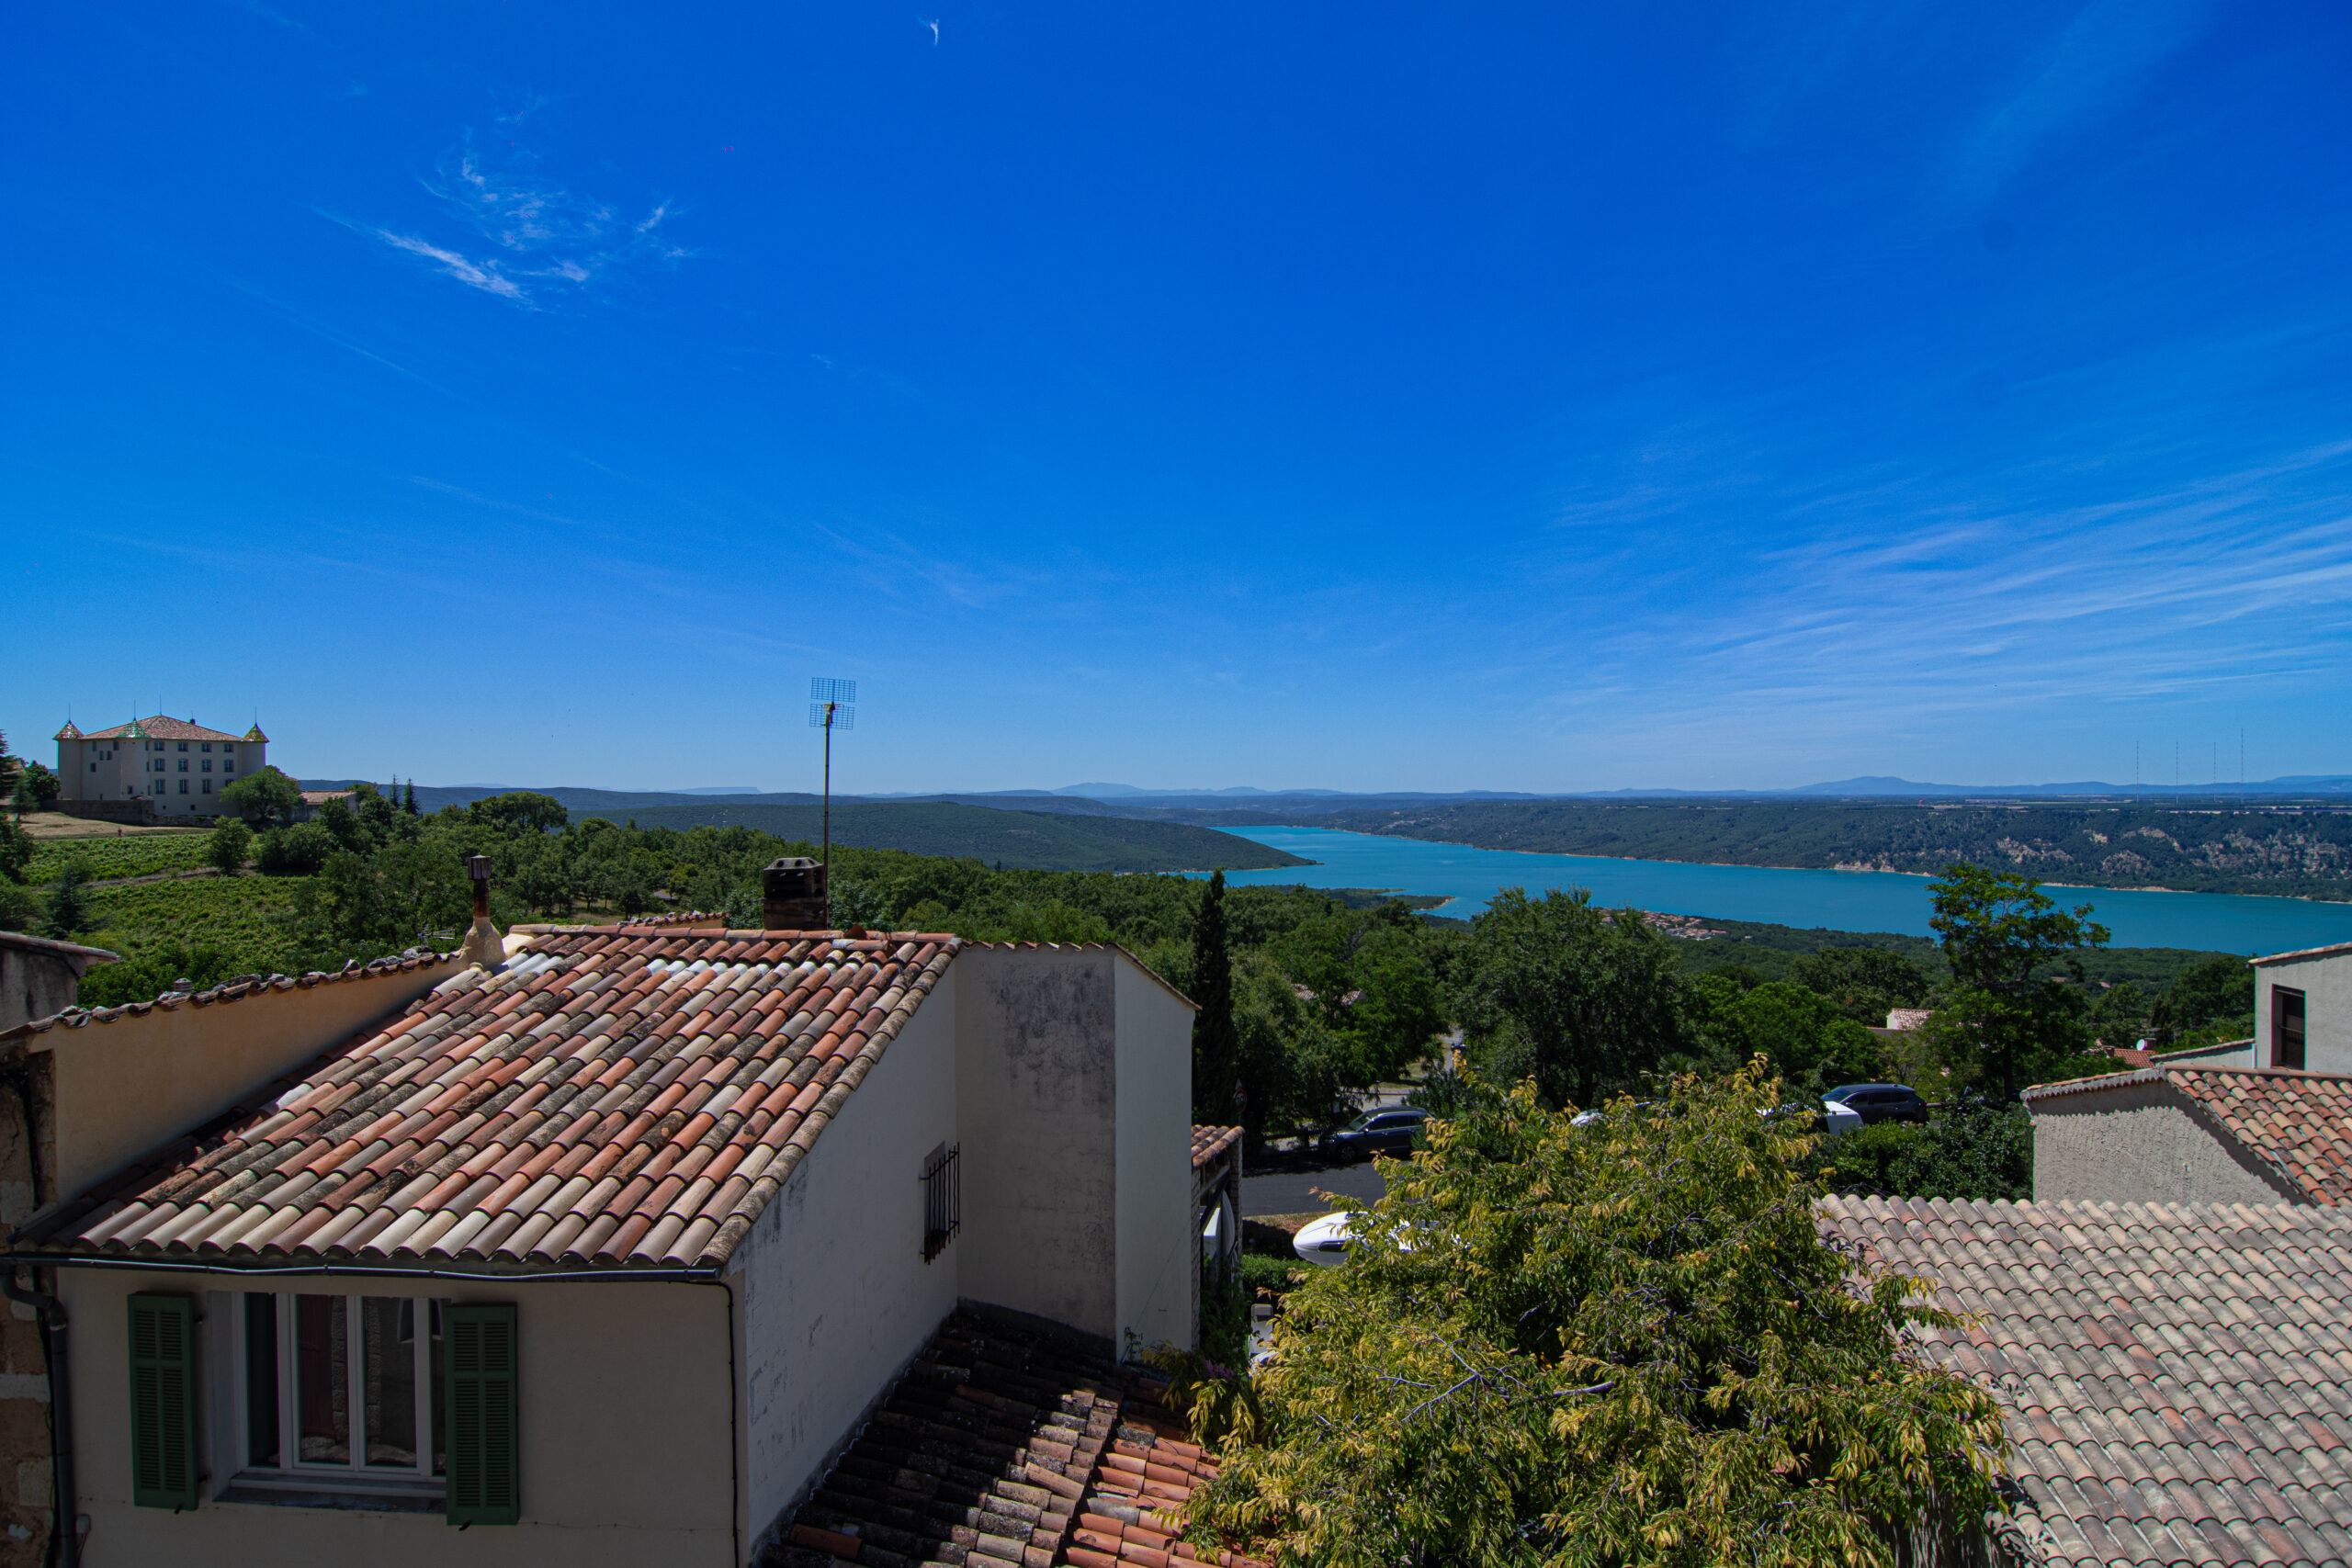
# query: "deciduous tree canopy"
[[1623, 1344]]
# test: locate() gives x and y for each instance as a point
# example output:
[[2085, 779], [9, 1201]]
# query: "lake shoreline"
[[1846, 870]]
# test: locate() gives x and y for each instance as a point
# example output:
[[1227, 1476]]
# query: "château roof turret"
[[68, 733], [256, 735]]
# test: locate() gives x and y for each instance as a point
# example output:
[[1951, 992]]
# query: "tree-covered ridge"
[[2305, 853], [1039, 841]]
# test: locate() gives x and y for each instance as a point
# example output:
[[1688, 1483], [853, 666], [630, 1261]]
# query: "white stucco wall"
[[1036, 1079], [832, 1288], [1156, 1290], [2326, 985], [622, 1402], [128, 1086], [2141, 1144]]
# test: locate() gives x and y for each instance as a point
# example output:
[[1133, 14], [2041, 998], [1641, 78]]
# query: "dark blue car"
[[1881, 1102], [1387, 1133]]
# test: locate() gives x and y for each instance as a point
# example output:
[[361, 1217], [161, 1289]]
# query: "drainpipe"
[[67, 1529]]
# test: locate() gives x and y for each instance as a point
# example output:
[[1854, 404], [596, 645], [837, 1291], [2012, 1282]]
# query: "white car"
[[1325, 1241]]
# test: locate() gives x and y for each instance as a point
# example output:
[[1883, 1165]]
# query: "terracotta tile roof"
[[1006, 1447], [2303, 953], [2177, 1378], [158, 729], [233, 990], [2300, 1125], [320, 796], [616, 1096], [1210, 1142]]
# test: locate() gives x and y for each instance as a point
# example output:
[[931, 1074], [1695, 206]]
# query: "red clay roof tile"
[[558, 1111], [2174, 1375]]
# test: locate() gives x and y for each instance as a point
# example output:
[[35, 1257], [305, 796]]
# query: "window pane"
[[440, 1418], [261, 1379], [321, 1340], [387, 1373]]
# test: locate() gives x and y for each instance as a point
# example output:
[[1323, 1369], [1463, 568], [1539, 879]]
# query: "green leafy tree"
[[521, 811], [1623, 1344], [2011, 1016], [228, 846], [1807, 1040], [1973, 1149], [1293, 1072], [1216, 1048], [36, 787], [20, 908], [339, 819], [265, 798], [1580, 1000], [1374, 980], [2211, 991], [1864, 983], [299, 851], [69, 905], [16, 849]]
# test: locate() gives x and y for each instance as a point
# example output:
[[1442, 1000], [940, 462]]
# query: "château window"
[[341, 1394], [208, 786], [206, 746], [208, 765], [183, 786], [183, 745]]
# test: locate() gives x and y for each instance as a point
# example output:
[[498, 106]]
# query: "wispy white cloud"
[[530, 233], [2096, 66], [484, 275]]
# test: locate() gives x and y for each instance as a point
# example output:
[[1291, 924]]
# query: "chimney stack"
[[792, 894], [482, 944]]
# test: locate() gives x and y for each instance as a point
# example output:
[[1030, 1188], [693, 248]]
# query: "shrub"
[[299, 850], [228, 846], [1973, 1149]]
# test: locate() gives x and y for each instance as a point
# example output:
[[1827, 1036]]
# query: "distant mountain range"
[[1240, 802]]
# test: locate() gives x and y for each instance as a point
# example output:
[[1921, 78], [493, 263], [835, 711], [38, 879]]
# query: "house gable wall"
[[134, 1084], [1036, 1075], [2141, 1143], [831, 1290], [623, 1401], [1157, 1232]]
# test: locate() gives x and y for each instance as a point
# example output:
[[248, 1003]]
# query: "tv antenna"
[[830, 707]]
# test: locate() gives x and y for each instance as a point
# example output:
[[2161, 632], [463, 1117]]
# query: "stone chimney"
[[482, 944], [792, 894]]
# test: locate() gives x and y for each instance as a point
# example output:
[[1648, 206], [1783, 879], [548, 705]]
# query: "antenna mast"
[[830, 708]]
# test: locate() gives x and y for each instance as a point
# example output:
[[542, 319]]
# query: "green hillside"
[[1030, 840]]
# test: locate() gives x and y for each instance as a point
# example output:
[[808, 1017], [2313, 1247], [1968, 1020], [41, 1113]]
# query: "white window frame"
[[355, 1474]]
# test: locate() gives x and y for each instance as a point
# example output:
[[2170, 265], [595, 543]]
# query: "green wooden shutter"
[[162, 1403], [485, 1479]]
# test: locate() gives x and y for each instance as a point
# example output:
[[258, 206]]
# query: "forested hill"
[[2306, 854], [1032, 839]]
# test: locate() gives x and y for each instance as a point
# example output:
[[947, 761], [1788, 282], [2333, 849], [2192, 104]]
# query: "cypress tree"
[[1217, 1047], [410, 804]]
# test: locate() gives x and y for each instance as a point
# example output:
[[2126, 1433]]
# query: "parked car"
[[1323, 1241], [1376, 1132], [1876, 1102]]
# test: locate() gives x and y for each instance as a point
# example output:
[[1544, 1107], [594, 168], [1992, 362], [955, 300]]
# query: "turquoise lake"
[[1840, 900]]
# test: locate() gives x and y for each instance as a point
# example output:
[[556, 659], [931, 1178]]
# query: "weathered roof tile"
[[2208, 1418], [566, 1110]]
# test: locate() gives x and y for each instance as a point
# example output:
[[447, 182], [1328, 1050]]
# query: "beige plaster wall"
[[1158, 1272], [623, 1404], [1036, 1082], [2326, 985], [831, 1289], [34, 984], [126, 1088], [2141, 1143]]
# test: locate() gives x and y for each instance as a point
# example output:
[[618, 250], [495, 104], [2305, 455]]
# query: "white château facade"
[[175, 767]]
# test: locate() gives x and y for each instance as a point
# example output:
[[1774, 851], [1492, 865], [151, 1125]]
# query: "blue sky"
[[1362, 397]]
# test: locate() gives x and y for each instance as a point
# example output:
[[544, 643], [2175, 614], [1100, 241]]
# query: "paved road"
[[1294, 1191]]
